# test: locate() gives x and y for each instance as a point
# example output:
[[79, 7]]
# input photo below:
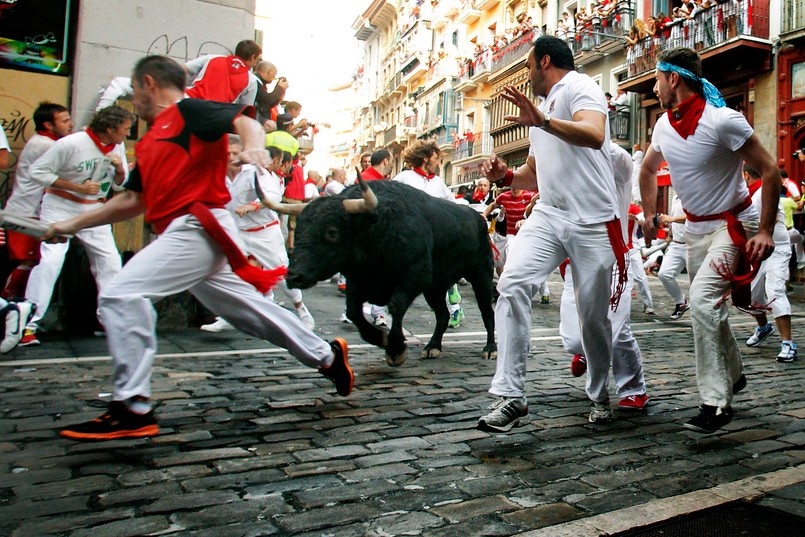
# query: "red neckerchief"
[[754, 187], [478, 196], [685, 117], [104, 148], [310, 181], [424, 174], [47, 134]]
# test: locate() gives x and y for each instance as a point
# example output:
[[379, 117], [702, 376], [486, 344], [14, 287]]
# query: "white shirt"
[[311, 192], [435, 186], [26, 196], [622, 170], [333, 188], [243, 192], [705, 168], [780, 234], [74, 158], [575, 183], [677, 229]]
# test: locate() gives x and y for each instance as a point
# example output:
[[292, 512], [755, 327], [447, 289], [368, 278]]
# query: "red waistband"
[[72, 197], [260, 228], [735, 211]]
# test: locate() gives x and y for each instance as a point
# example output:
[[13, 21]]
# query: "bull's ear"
[[332, 234]]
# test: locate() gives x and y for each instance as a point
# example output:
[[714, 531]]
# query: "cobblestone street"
[[253, 443]]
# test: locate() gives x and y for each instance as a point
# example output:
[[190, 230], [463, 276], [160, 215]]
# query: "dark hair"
[[246, 49], [284, 121], [555, 48], [274, 152], [784, 174], [45, 112], [416, 155], [379, 156], [165, 72], [685, 58], [109, 118], [287, 157], [751, 171], [234, 139]]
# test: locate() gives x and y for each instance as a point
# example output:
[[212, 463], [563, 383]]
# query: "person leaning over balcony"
[[569, 154], [725, 239]]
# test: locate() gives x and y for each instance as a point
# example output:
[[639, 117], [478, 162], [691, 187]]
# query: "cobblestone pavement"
[[253, 443]]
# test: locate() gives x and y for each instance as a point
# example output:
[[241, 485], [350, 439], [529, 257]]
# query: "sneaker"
[[739, 385], [760, 335], [381, 320], [117, 422], [600, 412], [339, 371], [304, 315], [709, 420], [29, 339], [344, 318], [648, 311], [680, 310], [455, 318], [633, 402], [453, 296], [219, 325], [507, 412], [788, 353], [342, 288], [546, 299], [578, 365], [99, 331], [17, 316]]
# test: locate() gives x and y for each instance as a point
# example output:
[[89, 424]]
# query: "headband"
[[711, 94]]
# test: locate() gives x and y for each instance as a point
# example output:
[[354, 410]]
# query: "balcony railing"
[[600, 32], [708, 29], [479, 144], [514, 51], [793, 16]]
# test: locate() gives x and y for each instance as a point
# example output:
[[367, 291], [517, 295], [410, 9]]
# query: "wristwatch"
[[546, 122]]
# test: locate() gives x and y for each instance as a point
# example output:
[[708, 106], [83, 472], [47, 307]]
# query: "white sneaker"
[[306, 317], [344, 318], [381, 320], [219, 325], [17, 316]]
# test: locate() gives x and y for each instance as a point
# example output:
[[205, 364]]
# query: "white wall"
[[114, 34]]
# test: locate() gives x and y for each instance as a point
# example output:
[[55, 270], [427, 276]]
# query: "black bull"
[[410, 244]]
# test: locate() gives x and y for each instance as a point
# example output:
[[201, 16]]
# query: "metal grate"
[[730, 520]]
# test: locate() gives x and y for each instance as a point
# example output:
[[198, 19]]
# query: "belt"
[[71, 197], [678, 242], [260, 228]]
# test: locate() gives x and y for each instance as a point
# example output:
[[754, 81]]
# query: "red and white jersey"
[[26, 197], [636, 219], [224, 79], [707, 171], [515, 208]]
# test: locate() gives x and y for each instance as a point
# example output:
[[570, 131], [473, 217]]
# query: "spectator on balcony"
[[380, 166], [267, 102]]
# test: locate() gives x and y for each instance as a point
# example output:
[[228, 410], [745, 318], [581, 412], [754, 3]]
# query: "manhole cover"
[[730, 520]]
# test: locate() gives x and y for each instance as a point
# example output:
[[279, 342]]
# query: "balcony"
[[513, 52], [483, 5], [396, 134], [792, 25], [597, 40], [394, 85], [465, 73], [483, 66], [416, 66], [732, 40], [473, 148], [468, 13], [439, 70]]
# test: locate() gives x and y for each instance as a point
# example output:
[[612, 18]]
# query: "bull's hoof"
[[489, 355], [397, 361], [431, 353]]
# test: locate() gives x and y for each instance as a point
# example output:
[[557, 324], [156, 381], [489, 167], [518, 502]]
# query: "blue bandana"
[[711, 94]]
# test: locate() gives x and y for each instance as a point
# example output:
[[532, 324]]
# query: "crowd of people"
[[209, 179]]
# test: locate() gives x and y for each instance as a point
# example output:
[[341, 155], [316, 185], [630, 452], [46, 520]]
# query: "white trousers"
[[673, 262], [638, 275], [542, 244], [183, 258], [769, 284], [268, 247], [796, 239], [718, 359], [98, 242], [627, 363]]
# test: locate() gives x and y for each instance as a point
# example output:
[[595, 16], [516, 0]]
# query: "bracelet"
[[256, 204], [507, 179]]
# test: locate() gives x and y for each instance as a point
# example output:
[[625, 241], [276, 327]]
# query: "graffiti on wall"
[[180, 50]]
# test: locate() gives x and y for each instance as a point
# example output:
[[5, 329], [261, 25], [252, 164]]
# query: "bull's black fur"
[[411, 244]]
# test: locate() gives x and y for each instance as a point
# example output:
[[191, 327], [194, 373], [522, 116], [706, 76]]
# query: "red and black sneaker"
[[117, 422], [339, 371], [578, 365]]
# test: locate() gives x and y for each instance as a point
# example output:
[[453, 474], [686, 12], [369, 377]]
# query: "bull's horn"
[[281, 208], [363, 205]]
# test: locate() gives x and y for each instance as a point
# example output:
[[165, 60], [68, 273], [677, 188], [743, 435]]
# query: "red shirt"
[[515, 208], [371, 174], [295, 188], [183, 159], [222, 80], [632, 224]]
